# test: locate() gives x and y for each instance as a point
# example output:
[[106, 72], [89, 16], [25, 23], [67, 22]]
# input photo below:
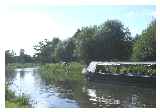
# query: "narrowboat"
[[124, 72]]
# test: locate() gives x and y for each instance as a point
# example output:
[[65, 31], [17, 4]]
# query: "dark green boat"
[[110, 72]]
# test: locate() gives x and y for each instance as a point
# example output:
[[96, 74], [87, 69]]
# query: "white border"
[[86, 2], [158, 54]]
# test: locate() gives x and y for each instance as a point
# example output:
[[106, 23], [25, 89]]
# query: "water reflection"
[[77, 93], [110, 95]]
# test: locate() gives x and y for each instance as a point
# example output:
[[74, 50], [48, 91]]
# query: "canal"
[[73, 94]]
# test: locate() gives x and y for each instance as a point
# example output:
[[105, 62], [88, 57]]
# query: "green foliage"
[[64, 51], [113, 42], [109, 41], [145, 70], [12, 101], [84, 41], [19, 102], [123, 70], [114, 69], [144, 48], [60, 72], [9, 94], [9, 56], [45, 50]]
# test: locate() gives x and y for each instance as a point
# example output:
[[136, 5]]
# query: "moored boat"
[[102, 71]]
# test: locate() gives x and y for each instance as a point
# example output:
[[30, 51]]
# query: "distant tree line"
[[110, 41], [11, 57]]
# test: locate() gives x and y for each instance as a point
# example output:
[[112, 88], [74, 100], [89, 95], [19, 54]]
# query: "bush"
[[60, 72], [13, 101]]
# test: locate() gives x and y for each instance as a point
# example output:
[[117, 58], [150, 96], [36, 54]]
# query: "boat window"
[[102, 69]]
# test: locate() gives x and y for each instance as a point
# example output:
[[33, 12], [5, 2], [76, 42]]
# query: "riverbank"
[[13, 101], [76, 67], [63, 85], [61, 72], [57, 74]]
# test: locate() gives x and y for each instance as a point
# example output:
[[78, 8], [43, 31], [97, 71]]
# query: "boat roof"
[[93, 64], [126, 63]]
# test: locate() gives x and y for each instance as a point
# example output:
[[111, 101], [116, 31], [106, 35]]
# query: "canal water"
[[73, 94]]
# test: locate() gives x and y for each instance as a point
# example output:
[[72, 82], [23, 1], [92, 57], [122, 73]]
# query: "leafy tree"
[[113, 42], [41, 55], [144, 48], [59, 53], [109, 41], [69, 47], [83, 40], [22, 56], [106, 42], [45, 50], [9, 56], [28, 59], [65, 51]]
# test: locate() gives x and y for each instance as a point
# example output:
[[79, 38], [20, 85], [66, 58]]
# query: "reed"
[[13, 101], [61, 72]]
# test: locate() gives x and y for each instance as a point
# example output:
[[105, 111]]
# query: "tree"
[[68, 49], [40, 55], [65, 51], [109, 41], [28, 59], [144, 48], [113, 42], [45, 50], [83, 39], [9, 56], [59, 53], [21, 56]]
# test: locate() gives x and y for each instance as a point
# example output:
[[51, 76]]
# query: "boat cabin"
[[138, 73], [121, 67]]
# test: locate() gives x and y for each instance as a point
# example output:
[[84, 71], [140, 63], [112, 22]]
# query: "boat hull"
[[122, 79]]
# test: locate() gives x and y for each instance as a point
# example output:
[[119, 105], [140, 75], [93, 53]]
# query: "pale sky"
[[25, 24]]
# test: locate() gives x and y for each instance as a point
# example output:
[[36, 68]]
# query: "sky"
[[24, 25]]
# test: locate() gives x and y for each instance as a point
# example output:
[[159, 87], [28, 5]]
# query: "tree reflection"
[[22, 73]]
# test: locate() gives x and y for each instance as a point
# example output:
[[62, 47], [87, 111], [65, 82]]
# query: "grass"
[[60, 72], [65, 77], [13, 101], [15, 104]]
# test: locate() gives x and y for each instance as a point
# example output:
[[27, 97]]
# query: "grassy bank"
[[66, 77], [61, 72], [12, 101]]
